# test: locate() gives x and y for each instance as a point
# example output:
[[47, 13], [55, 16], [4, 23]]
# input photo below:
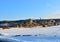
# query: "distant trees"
[[29, 23], [51, 22]]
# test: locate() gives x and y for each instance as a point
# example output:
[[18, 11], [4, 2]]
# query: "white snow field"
[[44, 34], [54, 30]]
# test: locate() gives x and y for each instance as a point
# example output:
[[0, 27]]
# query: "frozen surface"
[[54, 30], [31, 39], [8, 39], [35, 34]]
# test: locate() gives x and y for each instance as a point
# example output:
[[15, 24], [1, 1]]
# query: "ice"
[[7, 39], [38, 38]]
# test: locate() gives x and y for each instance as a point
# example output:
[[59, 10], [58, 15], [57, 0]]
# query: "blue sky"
[[24, 9]]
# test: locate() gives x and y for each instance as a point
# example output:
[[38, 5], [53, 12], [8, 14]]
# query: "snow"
[[30, 39], [44, 34], [38, 38], [43, 40], [7, 39], [54, 30]]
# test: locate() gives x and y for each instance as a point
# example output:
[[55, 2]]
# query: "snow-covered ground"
[[31, 39], [54, 30], [44, 34]]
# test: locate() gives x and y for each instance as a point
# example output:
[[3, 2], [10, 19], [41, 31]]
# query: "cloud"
[[54, 15]]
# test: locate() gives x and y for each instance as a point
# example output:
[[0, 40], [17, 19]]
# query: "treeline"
[[28, 23]]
